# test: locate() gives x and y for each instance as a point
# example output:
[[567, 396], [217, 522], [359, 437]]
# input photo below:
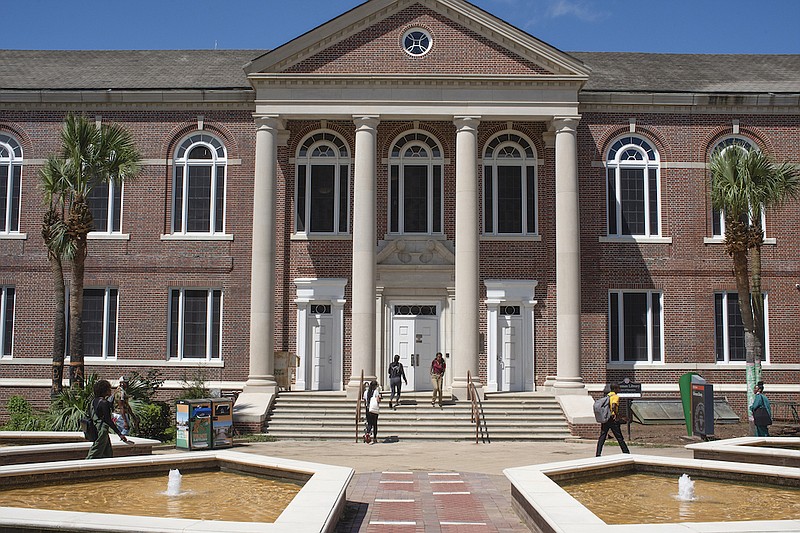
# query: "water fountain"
[[174, 482], [217, 490], [779, 451], [685, 488], [573, 495]]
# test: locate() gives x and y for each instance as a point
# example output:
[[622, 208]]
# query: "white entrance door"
[[320, 330], [416, 340], [510, 360]]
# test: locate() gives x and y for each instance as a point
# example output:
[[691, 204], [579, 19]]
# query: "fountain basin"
[[779, 451], [547, 508], [67, 451], [16, 438], [315, 508]]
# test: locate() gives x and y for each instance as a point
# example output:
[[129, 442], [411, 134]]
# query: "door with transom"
[[510, 358], [320, 332], [415, 338]]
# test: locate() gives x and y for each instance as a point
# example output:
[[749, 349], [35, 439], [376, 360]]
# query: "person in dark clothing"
[[100, 413], [612, 424], [396, 373], [372, 401]]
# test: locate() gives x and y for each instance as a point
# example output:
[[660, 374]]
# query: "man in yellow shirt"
[[613, 423]]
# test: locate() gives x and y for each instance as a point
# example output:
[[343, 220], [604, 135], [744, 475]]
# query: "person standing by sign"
[[438, 367], [761, 410], [396, 373], [612, 424]]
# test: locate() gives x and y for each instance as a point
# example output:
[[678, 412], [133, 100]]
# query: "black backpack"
[[88, 427]]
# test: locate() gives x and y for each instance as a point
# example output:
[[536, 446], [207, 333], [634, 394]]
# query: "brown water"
[[653, 499], [204, 496]]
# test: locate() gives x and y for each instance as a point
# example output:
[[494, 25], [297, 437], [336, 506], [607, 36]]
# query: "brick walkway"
[[440, 502]]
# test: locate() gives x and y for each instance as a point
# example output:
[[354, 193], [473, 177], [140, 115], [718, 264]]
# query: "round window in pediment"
[[417, 42]]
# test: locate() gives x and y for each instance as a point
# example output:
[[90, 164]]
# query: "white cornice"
[[534, 81], [684, 103], [208, 99]]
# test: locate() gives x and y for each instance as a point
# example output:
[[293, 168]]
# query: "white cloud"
[[579, 10]]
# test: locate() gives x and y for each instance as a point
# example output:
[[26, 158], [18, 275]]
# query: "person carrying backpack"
[[612, 423], [396, 373]]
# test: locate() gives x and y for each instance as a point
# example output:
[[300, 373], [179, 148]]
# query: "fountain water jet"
[[174, 483], [686, 489]]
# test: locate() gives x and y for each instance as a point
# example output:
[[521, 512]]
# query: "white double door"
[[416, 340]]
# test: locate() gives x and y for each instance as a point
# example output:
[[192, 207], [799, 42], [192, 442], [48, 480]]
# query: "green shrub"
[[69, 406], [194, 387], [155, 421], [22, 416]]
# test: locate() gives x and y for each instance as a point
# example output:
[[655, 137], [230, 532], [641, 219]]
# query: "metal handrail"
[[358, 405], [472, 395]]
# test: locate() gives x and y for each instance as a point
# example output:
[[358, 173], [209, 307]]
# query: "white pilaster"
[[568, 262], [466, 327], [365, 241]]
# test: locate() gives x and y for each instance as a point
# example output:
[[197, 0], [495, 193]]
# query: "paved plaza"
[[434, 486]]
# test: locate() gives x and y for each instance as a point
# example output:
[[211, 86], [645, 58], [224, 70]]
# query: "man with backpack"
[[606, 411], [396, 373]]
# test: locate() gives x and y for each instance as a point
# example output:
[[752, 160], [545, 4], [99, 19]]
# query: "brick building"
[[413, 176]]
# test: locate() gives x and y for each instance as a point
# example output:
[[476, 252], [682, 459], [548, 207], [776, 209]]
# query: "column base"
[[572, 385]]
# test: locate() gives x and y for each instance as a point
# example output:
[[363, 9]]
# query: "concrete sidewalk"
[[436, 487]]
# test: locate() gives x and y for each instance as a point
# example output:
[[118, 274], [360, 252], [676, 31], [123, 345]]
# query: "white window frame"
[[209, 326], [718, 217], [12, 156], [619, 358], [410, 140], [107, 303], [4, 333], [726, 360], [527, 161], [111, 206], [416, 48], [181, 160], [306, 159], [617, 160]]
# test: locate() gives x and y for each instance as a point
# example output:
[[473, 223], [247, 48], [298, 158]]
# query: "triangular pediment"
[[465, 41]]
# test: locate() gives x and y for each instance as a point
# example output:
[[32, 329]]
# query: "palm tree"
[[90, 155], [54, 234], [744, 184]]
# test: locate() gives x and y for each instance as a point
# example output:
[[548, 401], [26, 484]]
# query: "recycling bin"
[[193, 424], [221, 423]]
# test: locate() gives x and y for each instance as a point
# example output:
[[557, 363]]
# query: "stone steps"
[[331, 416]]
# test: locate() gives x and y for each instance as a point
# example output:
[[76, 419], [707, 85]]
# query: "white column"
[[262, 276], [466, 327], [365, 240], [568, 261]]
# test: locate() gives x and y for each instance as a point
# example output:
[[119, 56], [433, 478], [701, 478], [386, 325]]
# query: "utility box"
[[221, 423], [193, 424]]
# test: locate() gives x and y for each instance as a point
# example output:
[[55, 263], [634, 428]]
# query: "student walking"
[[396, 374], [100, 413], [372, 402], [761, 411], [612, 424], [438, 366]]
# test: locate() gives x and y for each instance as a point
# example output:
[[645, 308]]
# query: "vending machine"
[[193, 424]]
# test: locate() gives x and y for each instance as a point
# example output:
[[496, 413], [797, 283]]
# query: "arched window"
[[198, 198], [729, 143], [415, 185], [633, 178], [10, 183], [509, 186], [322, 192]]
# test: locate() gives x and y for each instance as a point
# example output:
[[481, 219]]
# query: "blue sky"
[[670, 26]]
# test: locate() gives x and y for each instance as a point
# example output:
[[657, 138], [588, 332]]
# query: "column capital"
[[466, 123], [366, 122], [564, 124], [274, 122]]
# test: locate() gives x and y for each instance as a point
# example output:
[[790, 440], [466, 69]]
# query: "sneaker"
[[390, 404]]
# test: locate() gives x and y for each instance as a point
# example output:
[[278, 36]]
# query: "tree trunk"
[[740, 269], [60, 325], [757, 301]]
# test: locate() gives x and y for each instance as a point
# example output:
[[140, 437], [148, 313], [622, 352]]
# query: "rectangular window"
[[323, 189], [198, 199], [10, 185], [488, 200], [7, 304], [415, 199], [105, 204], [394, 198], [100, 322], [635, 331], [301, 199], [632, 196], [344, 198], [195, 324], [199, 194], [729, 328], [509, 199]]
